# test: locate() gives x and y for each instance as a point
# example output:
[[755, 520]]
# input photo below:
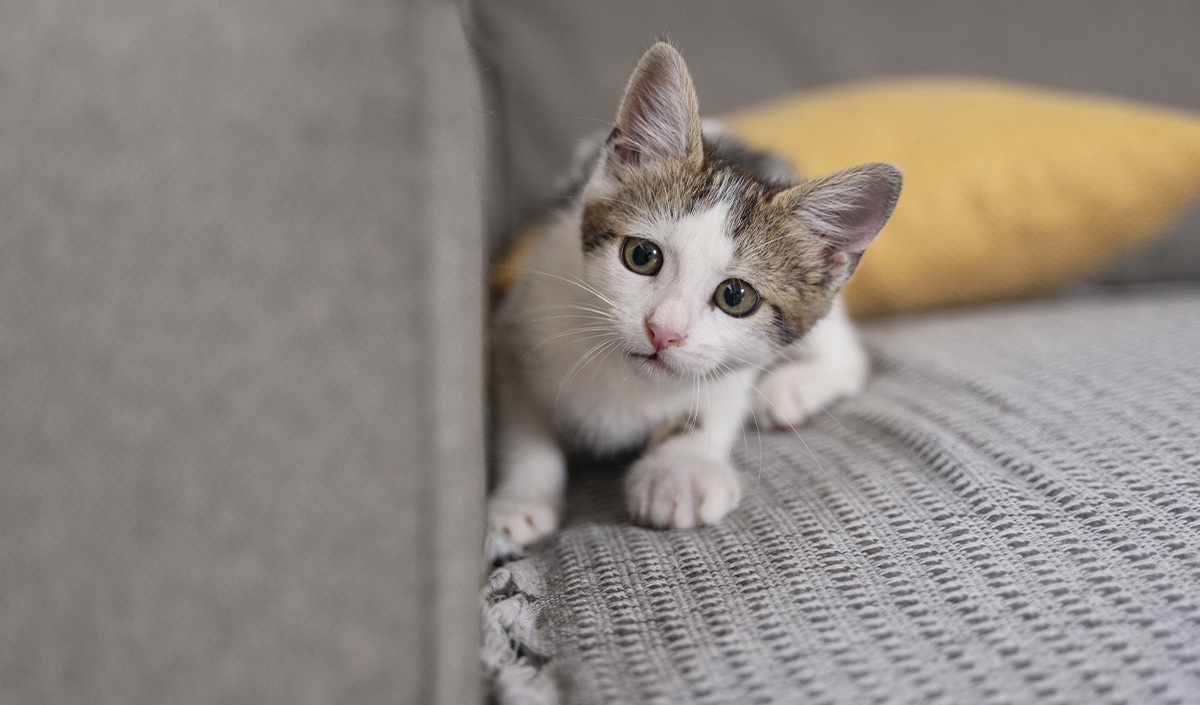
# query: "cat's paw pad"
[[671, 491], [522, 521]]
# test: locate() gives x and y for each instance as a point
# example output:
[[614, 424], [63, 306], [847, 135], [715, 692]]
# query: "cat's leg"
[[830, 363], [527, 501], [685, 478]]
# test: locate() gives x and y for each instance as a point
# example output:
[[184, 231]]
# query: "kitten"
[[688, 282]]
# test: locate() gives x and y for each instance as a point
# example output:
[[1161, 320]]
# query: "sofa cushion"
[[1009, 514]]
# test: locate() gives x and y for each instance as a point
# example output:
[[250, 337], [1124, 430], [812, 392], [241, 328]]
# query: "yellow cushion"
[[1008, 192]]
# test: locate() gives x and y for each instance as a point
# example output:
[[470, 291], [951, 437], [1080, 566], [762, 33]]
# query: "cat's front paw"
[[522, 520], [792, 394], [670, 490]]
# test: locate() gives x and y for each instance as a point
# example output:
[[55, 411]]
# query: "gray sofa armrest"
[[452, 359], [240, 353]]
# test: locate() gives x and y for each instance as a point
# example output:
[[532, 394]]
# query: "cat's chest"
[[607, 403], [563, 333]]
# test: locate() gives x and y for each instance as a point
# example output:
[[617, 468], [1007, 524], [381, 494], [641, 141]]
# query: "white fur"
[[572, 339], [829, 364], [563, 341]]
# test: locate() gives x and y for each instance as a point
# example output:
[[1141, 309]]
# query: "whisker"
[[748, 363], [766, 370], [574, 282], [586, 317], [797, 432], [598, 333], [589, 288], [600, 362], [724, 368], [574, 307], [580, 364], [758, 433], [693, 412], [839, 423]]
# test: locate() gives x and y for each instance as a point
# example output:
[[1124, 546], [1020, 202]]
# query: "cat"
[[687, 283]]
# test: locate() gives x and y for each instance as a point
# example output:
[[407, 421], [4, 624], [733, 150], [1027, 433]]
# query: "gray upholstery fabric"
[[240, 387], [1176, 256], [1009, 514], [553, 70]]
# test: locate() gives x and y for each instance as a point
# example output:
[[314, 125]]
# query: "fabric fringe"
[[515, 665]]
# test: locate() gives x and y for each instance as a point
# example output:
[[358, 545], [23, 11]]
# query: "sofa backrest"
[[553, 71]]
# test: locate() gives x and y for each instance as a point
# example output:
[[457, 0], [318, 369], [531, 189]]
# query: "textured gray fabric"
[[1009, 514], [232, 467], [554, 69]]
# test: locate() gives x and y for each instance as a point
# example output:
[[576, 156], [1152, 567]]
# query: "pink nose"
[[662, 338]]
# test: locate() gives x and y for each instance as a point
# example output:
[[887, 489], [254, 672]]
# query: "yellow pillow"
[[1008, 192]]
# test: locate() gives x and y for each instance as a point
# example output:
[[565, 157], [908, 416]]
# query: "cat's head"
[[708, 262]]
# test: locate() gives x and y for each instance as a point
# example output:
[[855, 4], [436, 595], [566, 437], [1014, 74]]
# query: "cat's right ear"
[[659, 118]]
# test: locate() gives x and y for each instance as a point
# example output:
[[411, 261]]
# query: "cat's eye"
[[736, 297], [641, 256]]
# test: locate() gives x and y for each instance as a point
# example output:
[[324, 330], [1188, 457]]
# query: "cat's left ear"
[[659, 118], [845, 210]]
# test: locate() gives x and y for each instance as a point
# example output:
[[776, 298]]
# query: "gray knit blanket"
[[1009, 514]]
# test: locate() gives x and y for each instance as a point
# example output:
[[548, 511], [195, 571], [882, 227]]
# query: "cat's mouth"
[[652, 361], [656, 365]]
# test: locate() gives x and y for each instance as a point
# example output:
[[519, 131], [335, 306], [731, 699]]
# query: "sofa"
[[243, 438], [1007, 514]]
